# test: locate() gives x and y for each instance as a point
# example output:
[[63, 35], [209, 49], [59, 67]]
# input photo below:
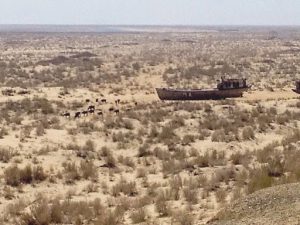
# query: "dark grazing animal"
[[91, 107], [97, 100], [116, 111], [118, 101], [85, 113], [87, 100], [77, 115], [92, 111], [103, 100], [66, 114], [100, 113], [111, 109]]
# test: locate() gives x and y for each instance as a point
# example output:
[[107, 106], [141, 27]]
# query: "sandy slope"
[[277, 205]]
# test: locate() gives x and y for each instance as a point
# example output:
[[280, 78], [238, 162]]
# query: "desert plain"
[[84, 138]]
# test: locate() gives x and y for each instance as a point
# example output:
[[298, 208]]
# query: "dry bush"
[[189, 107], [264, 154], [221, 195], [118, 137], [188, 139], [40, 214], [219, 136], [15, 176], [248, 133], [6, 154], [91, 187], [237, 158], [111, 217], [275, 166], [144, 150], [183, 217], [70, 172], [217, 158], [43, 104], [138, 216], [110, 161], [46, 149], [259, 179], [141, 173], [8, 193], [58, 211], [292, 138], [89, 146], [153, 133], [127, 161], [40, 130], [282, 119], [171, 166], [72, 146], [162, 207], [202, 160], [167, 135], [191, 195], [127, 188], [156, 115], [161, 154], [88, 170], [87, 127], [13, 209], [264, 122], [12, 176], [3, 132], [225, 174], [128, 124]]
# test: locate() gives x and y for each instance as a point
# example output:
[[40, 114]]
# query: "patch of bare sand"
[[269, 95]]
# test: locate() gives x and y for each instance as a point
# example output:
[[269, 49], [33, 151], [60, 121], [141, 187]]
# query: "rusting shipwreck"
[[226, 88], [297, 87]]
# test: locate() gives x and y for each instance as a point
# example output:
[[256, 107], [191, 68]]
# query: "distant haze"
[[151, 12]]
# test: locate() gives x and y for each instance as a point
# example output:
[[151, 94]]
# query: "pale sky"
[[151, 12]]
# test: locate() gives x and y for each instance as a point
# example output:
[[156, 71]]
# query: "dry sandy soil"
[[141, 160], [275, 205]]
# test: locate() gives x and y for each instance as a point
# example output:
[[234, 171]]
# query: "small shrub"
[[12, 176], [3, 132], [191, 195], [221, 195], [183, 218], [127, 188], [188, 139], [138, 216], [237, 158], [110, 161], [144, 150], [40, 130], [218, 136], [259, 179], [162, 207], [6, 155], [71, 172], [248, 133], [88, 170]]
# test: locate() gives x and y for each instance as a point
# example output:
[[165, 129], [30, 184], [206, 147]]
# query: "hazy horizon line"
[[153, 25]]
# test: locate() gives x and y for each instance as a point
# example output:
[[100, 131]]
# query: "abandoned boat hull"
[[198, 94], [296, 90]]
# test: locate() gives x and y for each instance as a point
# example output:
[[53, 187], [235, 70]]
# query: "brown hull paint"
[[198, 94]]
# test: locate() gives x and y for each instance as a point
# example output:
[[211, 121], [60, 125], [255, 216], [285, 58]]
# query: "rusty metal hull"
[[198, 94], [296, 90]]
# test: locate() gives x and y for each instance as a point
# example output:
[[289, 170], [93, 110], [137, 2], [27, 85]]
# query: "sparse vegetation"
[[147, 161]]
